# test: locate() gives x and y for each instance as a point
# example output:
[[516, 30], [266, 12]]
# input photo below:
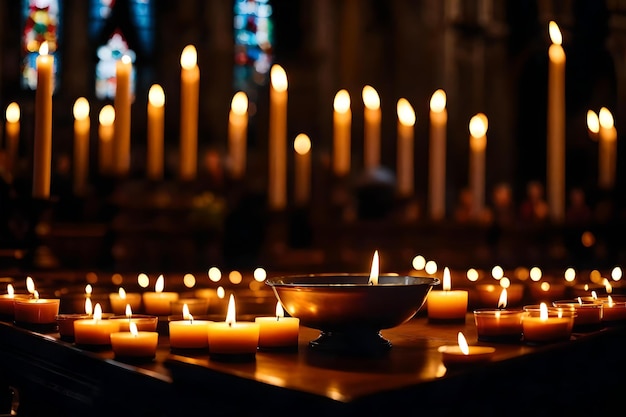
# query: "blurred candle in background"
[[82, 127], [437, 160], [189, 97], [302, 182], [277, 151], [406, 133], [607, 149], [238, 134], [371, 132], [342, 126], [156, 107], [42, 159], [478, 142], [12, 138], [105, 135], [122, 104]]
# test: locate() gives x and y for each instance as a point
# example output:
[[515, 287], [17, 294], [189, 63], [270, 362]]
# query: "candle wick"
[[277, 318], [230, 324]]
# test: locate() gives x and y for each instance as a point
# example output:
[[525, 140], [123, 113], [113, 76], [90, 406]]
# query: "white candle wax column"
[[342, 126], [372, 119], [238, 134], [42, 158], [122, 103], [437, 160], [607, 149], [106, 120], [189, 97], [12, 131], [82, 127], [406, 128], [478, 142], [302, 182], [556, 126], [156, 110], [277, 151]]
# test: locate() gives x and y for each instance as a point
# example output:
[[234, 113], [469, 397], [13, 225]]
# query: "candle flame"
[[189, 57], [133, 329], [374, 271], [97, 312], [447, 284], [156, 95], [30, 285], [280, 313], [239, 105], [438, 101], [594, 295], [221, 293], [610, 301], [88, 290], [478, 125], [230, 315], [278, 78], [608, 287], [129, 311], [13, 113], [122, 293], [605, 118], [406, 114], [81, 108], [43, 49], [107, 115], [88, 306], [186, 313], [302, 144], [36, 295], [543, 311], [126, 59], [593, 123], [580, 301], [10, 290], [371, 100], [503, 299], [160, 284], [463, 343], [555, 33], [341, 104]]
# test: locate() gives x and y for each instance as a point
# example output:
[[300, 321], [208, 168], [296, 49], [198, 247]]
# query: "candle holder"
[[348, 310]]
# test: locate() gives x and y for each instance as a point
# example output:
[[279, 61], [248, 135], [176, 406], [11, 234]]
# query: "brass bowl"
[[348, 310]]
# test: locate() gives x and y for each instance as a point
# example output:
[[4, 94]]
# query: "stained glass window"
[[41, 22]]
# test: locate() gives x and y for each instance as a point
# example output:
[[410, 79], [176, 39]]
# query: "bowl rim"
[[278, 281]]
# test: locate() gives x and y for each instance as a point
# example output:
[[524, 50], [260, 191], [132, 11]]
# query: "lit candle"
[[342, 126], [371, 132], [122, 103], [593, 124], [302, 181], [94, 331], [120, 299], [134, 343], [156, 104], [196, 306], [189, 97], [437, 160], [478, 143], [464, 354], [542, 325], [65, 322], [607, 149], [231, 338], [277, 151], [238, 134], [613, 311], [278, 332], [12, 131], [82, 126], [189, 333], [7, 301], [556, 126], [42, 158], [588, 315], [373, 279], [158, 302], [406, 128], [489, 294], [35, 310], [106, 140], [447, 305], [143, 322], [499, 324]]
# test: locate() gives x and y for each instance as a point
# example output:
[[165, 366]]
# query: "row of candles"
[[114, 148]]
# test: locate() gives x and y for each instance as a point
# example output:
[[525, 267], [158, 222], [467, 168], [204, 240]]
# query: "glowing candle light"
[[158, 303], [302, 181], [607, 149], [372, 119], [94, 331], [437, 160], [12, 131], [556, 125], [122, 103], [462, 353], [406, 128], [7, 301], [42, 159], [189, 333], [134, 344], [238, 134], [499, 324], [373, 280], [543, 325], [478, 142], [447, 305], [189, 97], [593, 124], [278, 332], [120, 299], [277, 151], [35, 310], [342, 126], [106, 140], [82, 126], [231, 337], [156, 110]]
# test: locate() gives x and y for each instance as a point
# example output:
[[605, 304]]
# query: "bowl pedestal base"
[[351, 342]]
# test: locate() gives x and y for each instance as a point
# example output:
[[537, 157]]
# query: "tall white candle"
[[42, 158], [156, 110], [302, 183], [106, 120], [238, 134], [277, 151], [607, 149], [372, 119], [82, 127], [122, 103], [406, 128], [12, 131], [556, 126], [437, 160], [342, 126], [478, 142], [189, 97]]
